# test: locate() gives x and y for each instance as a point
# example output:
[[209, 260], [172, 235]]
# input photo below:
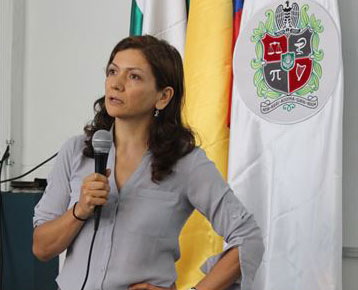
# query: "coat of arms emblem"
[[288, 56]]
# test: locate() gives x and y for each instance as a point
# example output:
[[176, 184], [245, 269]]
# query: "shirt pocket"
[[148, 212]]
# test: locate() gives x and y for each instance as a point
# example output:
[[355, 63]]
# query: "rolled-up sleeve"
[[56, 196], [212, 196]]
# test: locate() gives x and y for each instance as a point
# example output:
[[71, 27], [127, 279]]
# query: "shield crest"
[[288, 63]]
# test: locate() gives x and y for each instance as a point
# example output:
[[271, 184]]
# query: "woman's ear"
[[165, 96]]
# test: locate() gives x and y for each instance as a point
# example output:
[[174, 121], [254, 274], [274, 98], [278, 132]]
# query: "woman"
[[156, 178]]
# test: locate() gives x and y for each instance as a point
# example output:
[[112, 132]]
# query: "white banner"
[[285, 159]]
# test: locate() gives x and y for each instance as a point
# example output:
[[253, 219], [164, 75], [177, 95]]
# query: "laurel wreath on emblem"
[[288, 56]]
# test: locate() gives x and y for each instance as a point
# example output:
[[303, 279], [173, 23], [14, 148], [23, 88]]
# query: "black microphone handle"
[[100, 161]]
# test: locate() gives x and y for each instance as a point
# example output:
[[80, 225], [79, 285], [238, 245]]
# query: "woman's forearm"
[[224, 273], [53, 237]]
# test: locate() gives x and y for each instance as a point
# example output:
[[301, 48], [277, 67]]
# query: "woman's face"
[[130, 86]]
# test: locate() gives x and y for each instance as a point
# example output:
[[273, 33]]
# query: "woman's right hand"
[[94, 191]]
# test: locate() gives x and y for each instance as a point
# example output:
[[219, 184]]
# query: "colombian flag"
[[207, 69], [237, 5], [211, 28]]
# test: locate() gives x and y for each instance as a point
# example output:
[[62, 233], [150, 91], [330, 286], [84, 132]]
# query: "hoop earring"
[[156, 113]]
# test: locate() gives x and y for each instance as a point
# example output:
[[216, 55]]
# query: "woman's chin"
[[118, 115], [125, 115]]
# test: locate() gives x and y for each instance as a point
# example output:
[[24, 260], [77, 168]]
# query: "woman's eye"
[[111, 72], [134, 77]]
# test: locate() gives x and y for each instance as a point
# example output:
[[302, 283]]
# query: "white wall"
[[7, 68], [67, 47], [349, 21], [349, 24]]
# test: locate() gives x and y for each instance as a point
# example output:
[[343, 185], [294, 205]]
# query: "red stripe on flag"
[[236, 29]]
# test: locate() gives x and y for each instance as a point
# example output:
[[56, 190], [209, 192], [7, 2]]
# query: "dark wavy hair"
[[169, 139]]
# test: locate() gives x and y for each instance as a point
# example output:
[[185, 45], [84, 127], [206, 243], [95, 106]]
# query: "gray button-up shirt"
[[137, 239]]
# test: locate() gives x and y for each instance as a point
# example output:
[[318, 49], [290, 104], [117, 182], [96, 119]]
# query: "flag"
[[163, 19], [237, 6], [207, 69], [286, 139], [168, 20]]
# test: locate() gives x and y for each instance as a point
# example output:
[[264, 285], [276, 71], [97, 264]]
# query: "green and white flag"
[[163, 19]]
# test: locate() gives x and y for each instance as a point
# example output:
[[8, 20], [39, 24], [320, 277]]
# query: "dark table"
[[22, 271]]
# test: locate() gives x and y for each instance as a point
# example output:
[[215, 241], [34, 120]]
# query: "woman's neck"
[[131, 135]]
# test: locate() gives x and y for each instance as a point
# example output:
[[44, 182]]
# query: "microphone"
[[101, 143]]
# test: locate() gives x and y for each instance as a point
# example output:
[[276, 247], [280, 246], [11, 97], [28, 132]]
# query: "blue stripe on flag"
[[238, 4]]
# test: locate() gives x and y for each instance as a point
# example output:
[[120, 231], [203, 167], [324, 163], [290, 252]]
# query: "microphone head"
[[102, 141]]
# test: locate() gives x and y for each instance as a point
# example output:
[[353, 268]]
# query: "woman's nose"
[[118, 82]]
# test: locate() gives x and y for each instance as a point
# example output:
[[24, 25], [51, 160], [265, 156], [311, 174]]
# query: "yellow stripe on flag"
[[207, 67]]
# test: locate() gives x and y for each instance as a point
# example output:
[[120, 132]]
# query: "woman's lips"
[[116, 101]]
